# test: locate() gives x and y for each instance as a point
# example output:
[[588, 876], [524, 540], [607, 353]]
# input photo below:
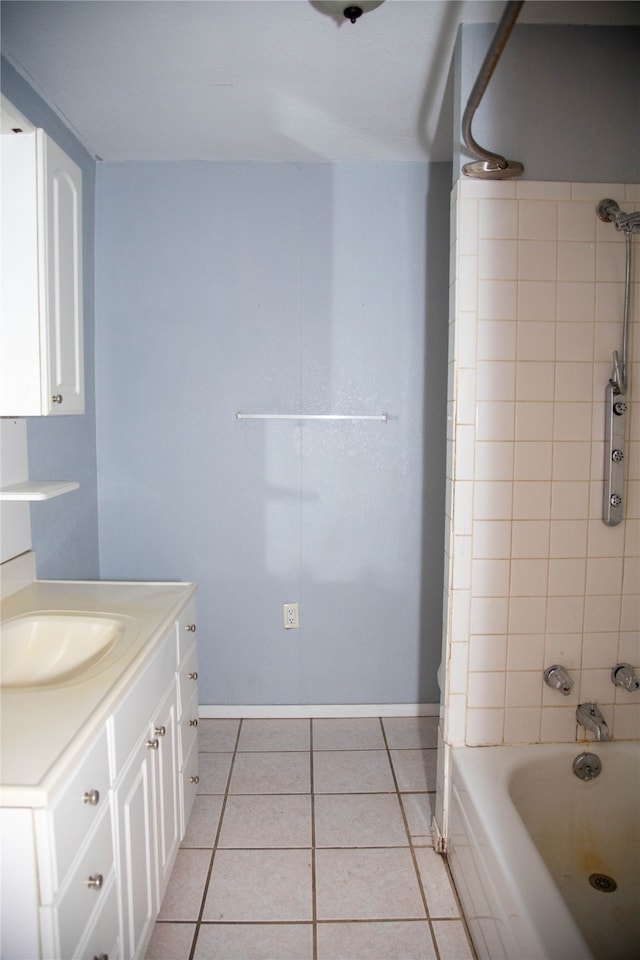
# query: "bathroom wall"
[[533, 576], [564, 99], [279, 288], [65, 530]]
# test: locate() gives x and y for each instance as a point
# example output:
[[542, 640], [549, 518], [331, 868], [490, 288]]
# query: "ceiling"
[[275, 80]]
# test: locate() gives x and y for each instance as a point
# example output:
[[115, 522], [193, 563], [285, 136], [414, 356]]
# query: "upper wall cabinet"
[[41, 352]]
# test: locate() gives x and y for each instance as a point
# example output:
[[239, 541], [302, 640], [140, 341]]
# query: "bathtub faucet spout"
[[588, 715]]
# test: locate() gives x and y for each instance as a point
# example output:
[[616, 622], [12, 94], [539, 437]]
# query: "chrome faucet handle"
[[623, 675], [557, 677]]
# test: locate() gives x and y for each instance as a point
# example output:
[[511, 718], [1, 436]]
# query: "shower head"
[[610, 212]]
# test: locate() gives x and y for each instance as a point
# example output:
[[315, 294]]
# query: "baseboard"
[[319, 711]]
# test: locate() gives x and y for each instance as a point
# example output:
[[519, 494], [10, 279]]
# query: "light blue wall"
[[564, 100], [279, 288], [65, 530]]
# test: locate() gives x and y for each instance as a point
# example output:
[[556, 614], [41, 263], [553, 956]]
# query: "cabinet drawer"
[[62, 828], [186, 629], [78, 900], [102, 936], [188, 726], [187, 679], [133, 716]]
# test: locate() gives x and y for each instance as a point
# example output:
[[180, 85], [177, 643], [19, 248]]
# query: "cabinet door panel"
[[188, 678], [63, 190], [166, 788], [78, 900], [188, 727], [136, 847], [20, 392], [189, 780], [186, 627], [62, 828]]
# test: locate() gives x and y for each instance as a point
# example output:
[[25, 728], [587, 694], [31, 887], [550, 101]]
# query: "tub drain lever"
[[586, 766], [557, 677]]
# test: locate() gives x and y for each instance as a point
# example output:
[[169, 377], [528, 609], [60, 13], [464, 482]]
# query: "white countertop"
[[43, 728]]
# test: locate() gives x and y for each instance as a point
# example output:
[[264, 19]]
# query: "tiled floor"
[[310, 840]]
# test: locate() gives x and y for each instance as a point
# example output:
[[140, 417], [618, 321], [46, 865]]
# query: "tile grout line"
[[411, 847], [205, 891], [314, 888]]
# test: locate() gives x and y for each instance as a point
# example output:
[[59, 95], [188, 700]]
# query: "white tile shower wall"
[[532, 575]]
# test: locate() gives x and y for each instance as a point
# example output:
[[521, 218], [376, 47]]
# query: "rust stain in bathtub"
[[589, 862]]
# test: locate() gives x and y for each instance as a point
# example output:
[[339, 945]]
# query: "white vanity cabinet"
[[67, 848], [143, 736], [84, 875], [41, 363]]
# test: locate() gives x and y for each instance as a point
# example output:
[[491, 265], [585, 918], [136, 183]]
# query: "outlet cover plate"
[[290, 616]]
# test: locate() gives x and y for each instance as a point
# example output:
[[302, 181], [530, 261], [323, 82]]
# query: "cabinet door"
[[41, 362], [166, 787], [63, 387], [136, 852]]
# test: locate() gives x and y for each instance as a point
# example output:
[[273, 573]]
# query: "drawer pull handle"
[[95, 882], [193, 723], [153, 744], [92, 798], [160, 731], [190, 628], [194, 675], [194, 779], [56, 398], [101, 956]]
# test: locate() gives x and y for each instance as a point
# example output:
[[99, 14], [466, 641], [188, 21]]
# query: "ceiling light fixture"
[[339, 12], [352, 13]]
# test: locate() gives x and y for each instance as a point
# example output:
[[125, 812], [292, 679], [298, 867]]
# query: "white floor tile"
[[407, 732], [419, 809], [170, 941], [359, 820], [392, 940], [341, 860], [217, 735], [274, 735], [266, 821], [183, 898], [452, 940], [203, 823], [441, 902], [352, 771], [271, 773], [367, 885], [254, 941], [260, 885], [362, 733], [415, 769]]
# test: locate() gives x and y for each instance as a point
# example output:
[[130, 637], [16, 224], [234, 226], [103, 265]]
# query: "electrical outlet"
[[290, 616]]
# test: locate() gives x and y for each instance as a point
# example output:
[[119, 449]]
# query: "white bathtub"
[[525, 834]]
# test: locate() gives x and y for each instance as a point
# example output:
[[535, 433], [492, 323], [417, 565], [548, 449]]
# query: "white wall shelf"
[[37, 489]]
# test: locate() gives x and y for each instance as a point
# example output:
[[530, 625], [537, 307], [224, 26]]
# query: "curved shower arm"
[[491, 164]]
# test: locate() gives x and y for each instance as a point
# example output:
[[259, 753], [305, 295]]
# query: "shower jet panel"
[[616, 415]]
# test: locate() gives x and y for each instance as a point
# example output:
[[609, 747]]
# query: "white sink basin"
[[47, 648]]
